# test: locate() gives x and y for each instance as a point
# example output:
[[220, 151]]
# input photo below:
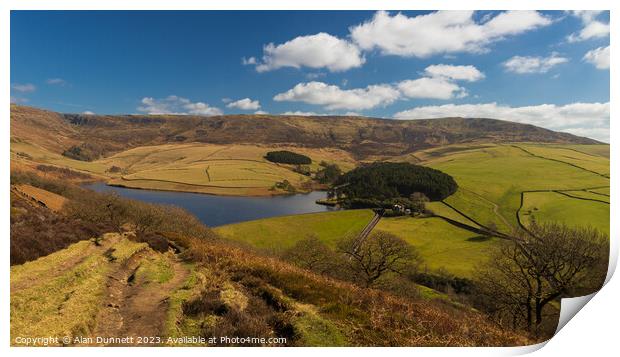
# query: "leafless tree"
[[550, 261], [145, 217], [100, 208], [312, 254], [378, 255]]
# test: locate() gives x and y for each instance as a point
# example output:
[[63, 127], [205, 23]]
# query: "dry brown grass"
[[48, 199], [366, 317]]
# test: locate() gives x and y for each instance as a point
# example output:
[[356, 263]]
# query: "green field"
[[279, 233], [442, 245], [441, 209], [603, 191], [596, 150], [582, 159], [588, 194], [492, 178], [552, 206]]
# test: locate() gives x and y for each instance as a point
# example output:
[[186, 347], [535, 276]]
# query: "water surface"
[[219, 210]]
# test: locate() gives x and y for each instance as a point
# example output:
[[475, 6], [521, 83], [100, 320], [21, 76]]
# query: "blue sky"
[[546, 68]]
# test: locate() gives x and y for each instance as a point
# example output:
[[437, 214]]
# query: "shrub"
[[37, 231], [64, 172]]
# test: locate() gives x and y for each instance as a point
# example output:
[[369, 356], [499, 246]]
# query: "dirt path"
[[135, 308]]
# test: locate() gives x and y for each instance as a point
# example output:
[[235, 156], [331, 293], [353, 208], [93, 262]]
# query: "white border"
[[594, 330]]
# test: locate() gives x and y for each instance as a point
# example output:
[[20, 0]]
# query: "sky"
[[549, 69]]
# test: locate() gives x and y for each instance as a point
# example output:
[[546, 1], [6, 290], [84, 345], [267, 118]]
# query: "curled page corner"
[[568, 309], [571, 306]]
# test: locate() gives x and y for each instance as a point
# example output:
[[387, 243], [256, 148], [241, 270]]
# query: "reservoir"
[[219, 210]]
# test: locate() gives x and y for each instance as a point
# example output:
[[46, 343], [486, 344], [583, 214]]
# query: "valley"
[[228, 268]]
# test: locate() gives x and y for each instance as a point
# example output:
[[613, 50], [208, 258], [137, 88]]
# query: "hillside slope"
[[125, 289], [363, 137], [190, 282]]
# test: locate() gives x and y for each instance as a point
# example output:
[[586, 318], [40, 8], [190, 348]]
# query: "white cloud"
[[261, 112], [433, 88], [24, 88], [439, 83], [332, 97], [600, 134], [441, 32], [315, 51], [56, 81], [248, 61], [300, 113], [458, 73], [244, 104], [592, 28], [176, 105], [88, 112], [591, 119], [599, 57], [525, 64]]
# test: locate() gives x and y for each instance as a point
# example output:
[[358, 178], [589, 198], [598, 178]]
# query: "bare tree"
[[312, 254], [145, 217], [378, 255], [100, 208], [549, 262]]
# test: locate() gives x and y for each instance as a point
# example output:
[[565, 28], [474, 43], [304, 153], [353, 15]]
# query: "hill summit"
[[363, 137]]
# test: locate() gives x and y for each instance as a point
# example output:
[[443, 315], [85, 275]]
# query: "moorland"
[[271, 277]]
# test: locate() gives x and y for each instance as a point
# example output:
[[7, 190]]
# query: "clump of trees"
[[288, 157], [84, 152], [328, 173], [386, 180], [284, 185], [539, 266]]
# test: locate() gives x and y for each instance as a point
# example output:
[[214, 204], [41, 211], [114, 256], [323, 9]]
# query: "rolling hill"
[[507, 174], [102, 135]]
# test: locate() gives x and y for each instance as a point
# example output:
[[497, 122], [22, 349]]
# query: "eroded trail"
[[136, 305]]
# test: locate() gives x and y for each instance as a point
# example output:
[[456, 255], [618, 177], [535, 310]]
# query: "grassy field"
[[596, 150], [603, 191], [442, 245], [589, 194], [49, 199], [279, 233], [441, 209], [491, 178], [22, 151], [205, 168], [552, 206], [588, 161]]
